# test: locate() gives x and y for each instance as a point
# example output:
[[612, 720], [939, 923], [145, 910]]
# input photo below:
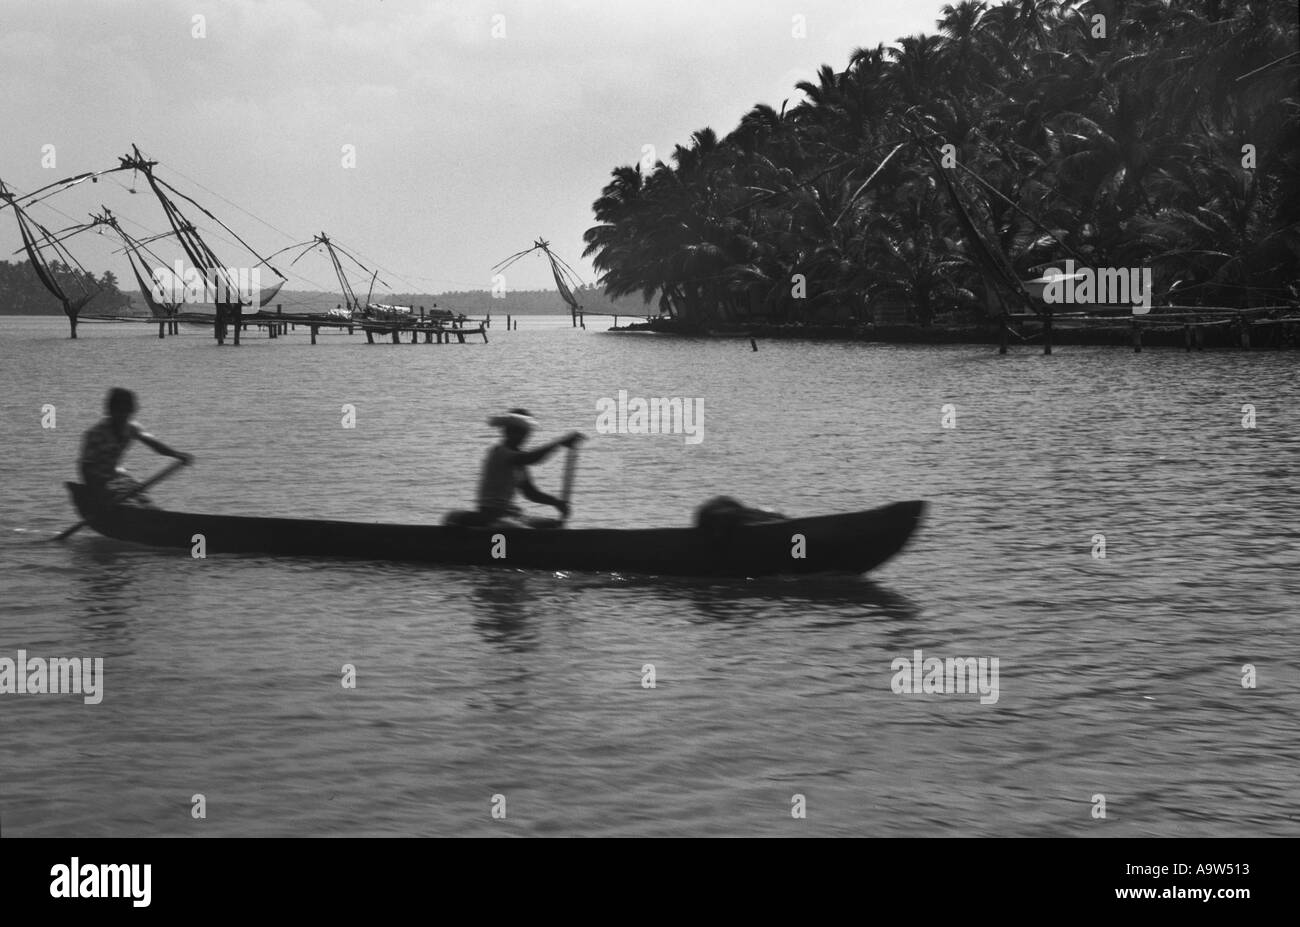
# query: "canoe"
[[851, 543]]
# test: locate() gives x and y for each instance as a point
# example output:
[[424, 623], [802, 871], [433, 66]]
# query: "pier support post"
[[161, 326], [397, 337], [1244, 332], [370, 337], [1137, 337], [1047, 333], [314, 330], [1187, 338], [1002, 337]]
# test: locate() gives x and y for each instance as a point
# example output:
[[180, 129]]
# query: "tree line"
[[937, 173], [21, 291]]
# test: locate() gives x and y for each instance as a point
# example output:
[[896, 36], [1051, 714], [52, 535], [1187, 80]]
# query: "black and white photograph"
[[554, 419]]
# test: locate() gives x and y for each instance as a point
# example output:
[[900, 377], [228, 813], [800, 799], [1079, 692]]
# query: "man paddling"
[[505, 472], [105, 443]]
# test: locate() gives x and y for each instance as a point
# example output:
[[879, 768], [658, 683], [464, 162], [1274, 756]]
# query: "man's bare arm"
[[528, 458], [533, 494], [154, 444]]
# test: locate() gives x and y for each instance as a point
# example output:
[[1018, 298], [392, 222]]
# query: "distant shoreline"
[[1282, 336]]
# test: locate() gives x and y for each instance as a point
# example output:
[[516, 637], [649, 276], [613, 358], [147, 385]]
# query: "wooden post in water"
[[1244, 332], [507, 321], [1137, 336], [1187, 337], [370, 336], [161, 326], [397, 336], [582, 318], [1002, 336], [1047, 332], [239, 318], [1199, 336], [314, 330]]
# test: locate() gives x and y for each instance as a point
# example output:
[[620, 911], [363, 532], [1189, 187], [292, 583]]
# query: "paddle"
[[156, 478], [570, 468]]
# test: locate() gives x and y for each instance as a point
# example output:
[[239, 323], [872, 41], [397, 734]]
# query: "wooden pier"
[[438, 327]]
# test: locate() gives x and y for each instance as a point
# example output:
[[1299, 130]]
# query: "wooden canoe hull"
[[849, 543]]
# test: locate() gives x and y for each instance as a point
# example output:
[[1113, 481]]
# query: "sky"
[[467, 145]]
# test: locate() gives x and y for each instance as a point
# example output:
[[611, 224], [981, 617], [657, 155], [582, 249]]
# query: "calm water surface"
[[1119, 677]]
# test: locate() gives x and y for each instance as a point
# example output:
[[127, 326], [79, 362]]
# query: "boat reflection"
[[836, 599], [503, 603], [106, 588]]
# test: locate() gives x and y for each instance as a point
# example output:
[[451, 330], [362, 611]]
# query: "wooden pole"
[[1047, 332], [314, 330], [161, 325], [570, 471], [1002, 337], [1137, 337]]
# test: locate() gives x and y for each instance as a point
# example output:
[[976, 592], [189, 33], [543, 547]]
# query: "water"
[[1119, 677]]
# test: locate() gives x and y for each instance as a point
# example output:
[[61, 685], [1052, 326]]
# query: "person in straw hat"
[[505, 471]]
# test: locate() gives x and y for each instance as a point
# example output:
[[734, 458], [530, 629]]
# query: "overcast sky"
[[467, 146]]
